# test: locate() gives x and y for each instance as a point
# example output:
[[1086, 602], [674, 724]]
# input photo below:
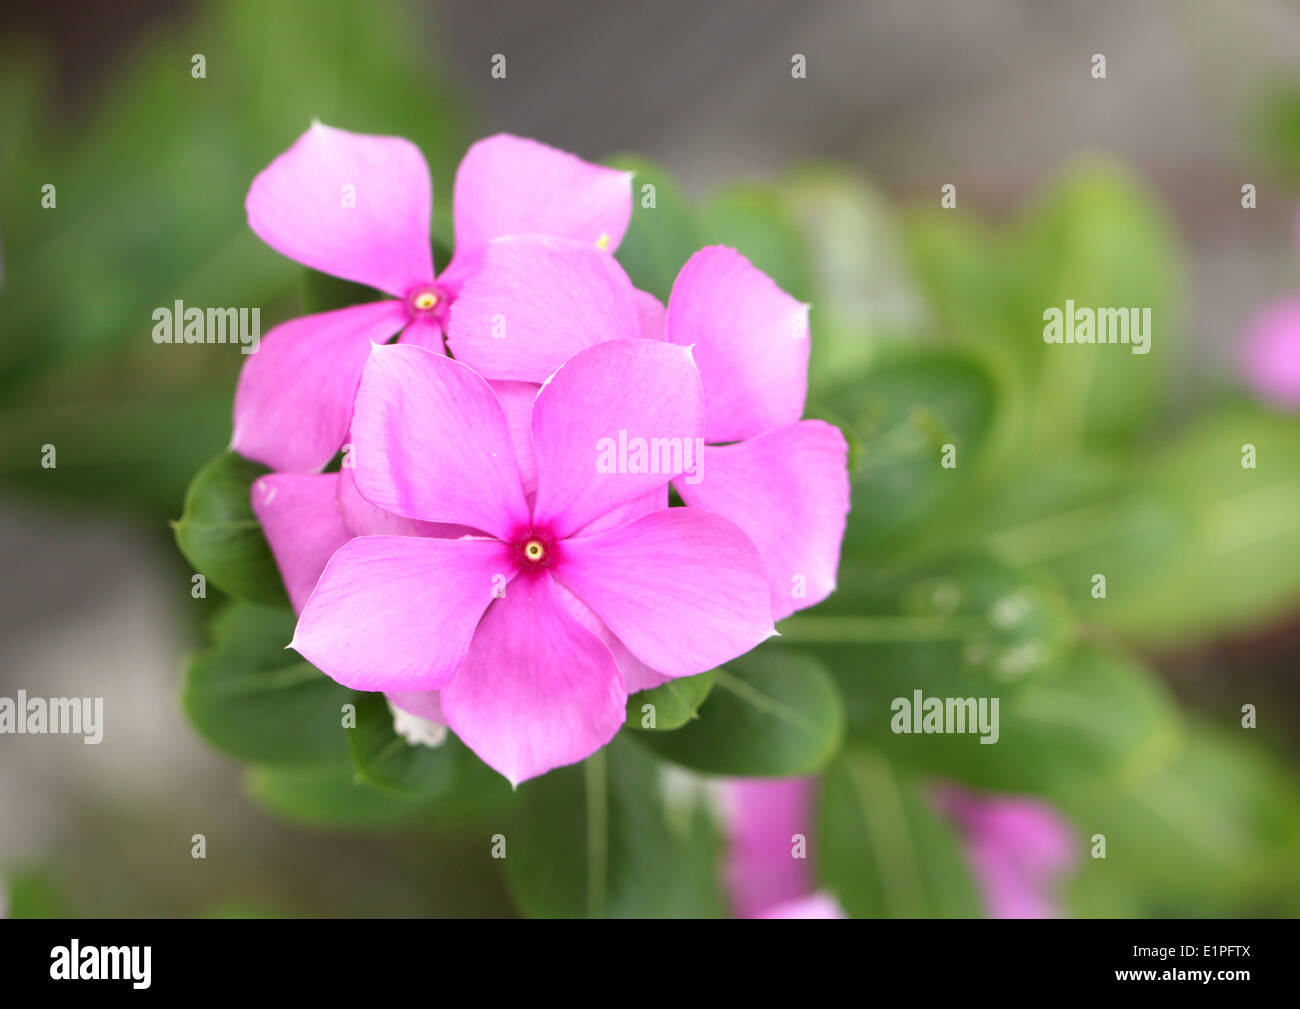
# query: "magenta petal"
[[534, 302], [815, 905], [1271, 353], [509, 185], [621, 393], [682, 588], [398, 612], [762, 817], [516, 399], [751, 343], [426, 333], [302, 524], [430, 442], [294, 398], [537, 689], [636, 674], [348, 204], [788, 491], [364, 519], [653, 315]]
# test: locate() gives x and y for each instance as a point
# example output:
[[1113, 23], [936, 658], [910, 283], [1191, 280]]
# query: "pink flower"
[[765, 819], [1019, 850], [784, 481], [359, 207], [535, 629], [1271, 353]]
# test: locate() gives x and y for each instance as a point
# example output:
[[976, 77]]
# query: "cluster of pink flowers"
[[497, 552], [1018, 850]]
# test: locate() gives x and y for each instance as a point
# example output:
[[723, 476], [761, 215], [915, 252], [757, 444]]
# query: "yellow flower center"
[[534, 550], [425, 300]]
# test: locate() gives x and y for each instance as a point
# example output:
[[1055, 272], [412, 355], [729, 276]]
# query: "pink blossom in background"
[[1270, 353], [762, 876], [1019, 849], [535, 629], [784, 481], [360, 207]]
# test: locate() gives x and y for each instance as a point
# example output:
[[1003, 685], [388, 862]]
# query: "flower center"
[[535, 551], [427, 302]]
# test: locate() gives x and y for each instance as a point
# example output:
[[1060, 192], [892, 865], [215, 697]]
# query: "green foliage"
[[603, 839], [219, 534], [673, 703], [772, 712]]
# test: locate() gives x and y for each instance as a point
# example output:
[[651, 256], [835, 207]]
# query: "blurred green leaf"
[[963, 626], [323, 293], [1098, 237], [771, 713], [661, 237], [463, 785], [1214, 832], [884, 852], [899, 418], [862, 296], [753, 220], [258, 701], [219, 534], [675, 702], [601, 840], [1237, 565], [32, 893]]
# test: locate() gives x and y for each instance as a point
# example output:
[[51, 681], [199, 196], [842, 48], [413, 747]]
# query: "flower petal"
[[517, 400], [430, 442], [294, 398], [426, 333], [302, 524], [537, 689], [762, 817], [398, 612], [1270, 353], [364, 519], [418, 717], [751, 343], [682, 588], [349, 204], [788, 491], [622, 393], [534, 302], [508, 185], [653, 315], [636, 674]]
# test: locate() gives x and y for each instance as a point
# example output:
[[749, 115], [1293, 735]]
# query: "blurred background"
[[151, 166]]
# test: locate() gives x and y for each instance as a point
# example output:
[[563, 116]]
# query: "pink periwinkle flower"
[[534, 629], [1270, 355], [535, 301], [1019, 849], [360, 207], [764, 820]]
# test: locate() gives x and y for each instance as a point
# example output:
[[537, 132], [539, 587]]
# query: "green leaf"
[[753, 220], [861, 294], [908, 407], [254, 699], [1213, 832], [661, 237], [1236, 566], [672, 704], [1098, 237], [772, 712], [32, 893], [219, 534], [884, 852], [329, 795], [602, 840], [450, 772], [965, 626]]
